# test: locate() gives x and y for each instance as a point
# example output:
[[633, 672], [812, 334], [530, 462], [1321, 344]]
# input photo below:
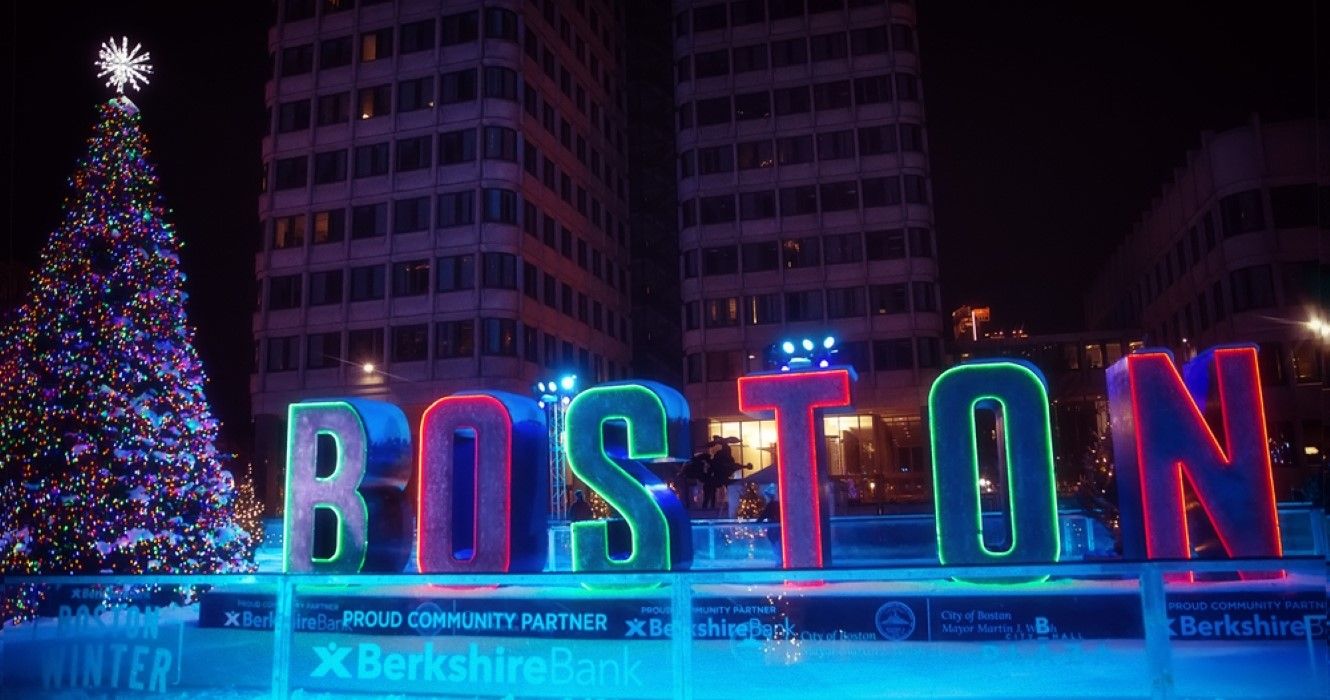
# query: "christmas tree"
[[107, 450]]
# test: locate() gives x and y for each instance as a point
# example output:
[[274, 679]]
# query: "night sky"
[[1051, 124]]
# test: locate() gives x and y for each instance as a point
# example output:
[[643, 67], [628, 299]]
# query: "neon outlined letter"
[[797, 400], [1160, 436], [372, 455]]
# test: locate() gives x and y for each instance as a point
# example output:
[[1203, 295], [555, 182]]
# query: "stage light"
[[788, 347], [568, 382], [824, 363], [808, 345], [829, 342], [540, 386]]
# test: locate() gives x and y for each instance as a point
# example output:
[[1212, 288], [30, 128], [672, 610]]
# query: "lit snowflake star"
[[120, 65]]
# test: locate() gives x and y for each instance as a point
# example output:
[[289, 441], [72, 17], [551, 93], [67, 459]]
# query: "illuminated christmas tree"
[[106, 440]]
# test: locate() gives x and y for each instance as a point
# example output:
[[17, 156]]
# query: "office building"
[[1233, 250], [445, 203], [805, 212]]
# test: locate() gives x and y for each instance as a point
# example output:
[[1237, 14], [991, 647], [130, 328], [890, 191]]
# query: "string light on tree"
[[122, 66]]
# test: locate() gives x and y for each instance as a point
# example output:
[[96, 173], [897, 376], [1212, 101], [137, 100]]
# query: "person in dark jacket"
[[580, 510], [771, 514]]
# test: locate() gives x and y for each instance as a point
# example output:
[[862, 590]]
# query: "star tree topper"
[[121, 65]]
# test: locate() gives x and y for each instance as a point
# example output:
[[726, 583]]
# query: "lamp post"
[[554, 396]]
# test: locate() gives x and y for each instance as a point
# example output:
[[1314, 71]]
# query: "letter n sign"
[[1161, 440]]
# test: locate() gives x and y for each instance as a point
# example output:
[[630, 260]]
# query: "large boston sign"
[[482, 480]]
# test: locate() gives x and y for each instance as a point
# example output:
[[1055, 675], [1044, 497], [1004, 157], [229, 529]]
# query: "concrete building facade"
[[805, 211], [1234, 250], [445, 203]]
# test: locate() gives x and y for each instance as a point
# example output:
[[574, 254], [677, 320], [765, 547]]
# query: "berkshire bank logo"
[[556, 666], [894, 621]]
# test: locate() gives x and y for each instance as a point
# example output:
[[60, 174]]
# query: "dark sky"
[[1051, 124]]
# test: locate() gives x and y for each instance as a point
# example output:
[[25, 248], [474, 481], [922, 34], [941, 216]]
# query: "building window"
[[902, 37], [416, 36], [885, 245], [925, 296], [455, 273], [498, 336], [889, 298], [793, 150], [500, 206], [882, 191], [410, 343], [724, 366], [335, 53], [292, 116], [722, 313], [1252, 288], [369, 221], [372, 160], [843, 248], [297, 9], [803, 306], [868, 40], [329, 226], [794, 100], [288, 231], [501, 83], [790, 52], [716, 210], [415, 94], [801, 252], [457, 147], [1241, 213], [283, 354], [375, 101], [414, 154], [907, 87], [376, 45], [500, 24], [835, 145], [826, 47], [712, 111], [921, 243], [692, 315], [459, 29], [756, 154], [916, 189], [753, 105], [365, 345], [329, 167], [291, 173], [929, 353], [893, 354], [455, 339], [876, 140], [499, 271], [872, 90], [325, 287], [693, 368], [284, 292], [457, 86], [912, 138], [500, 143], [749, 58], [717, 159], [411, 215], [761, 257], [297, 60], [710, 64], [323, 350], [334, 108], [798, 200], [762, 309], [457, 209], [840, 196], [832, 95], [367, 283], [757, 205], [845, 302], [720, 260]]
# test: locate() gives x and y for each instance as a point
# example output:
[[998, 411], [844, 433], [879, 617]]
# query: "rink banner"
[[831, 618], [1245, 616]]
